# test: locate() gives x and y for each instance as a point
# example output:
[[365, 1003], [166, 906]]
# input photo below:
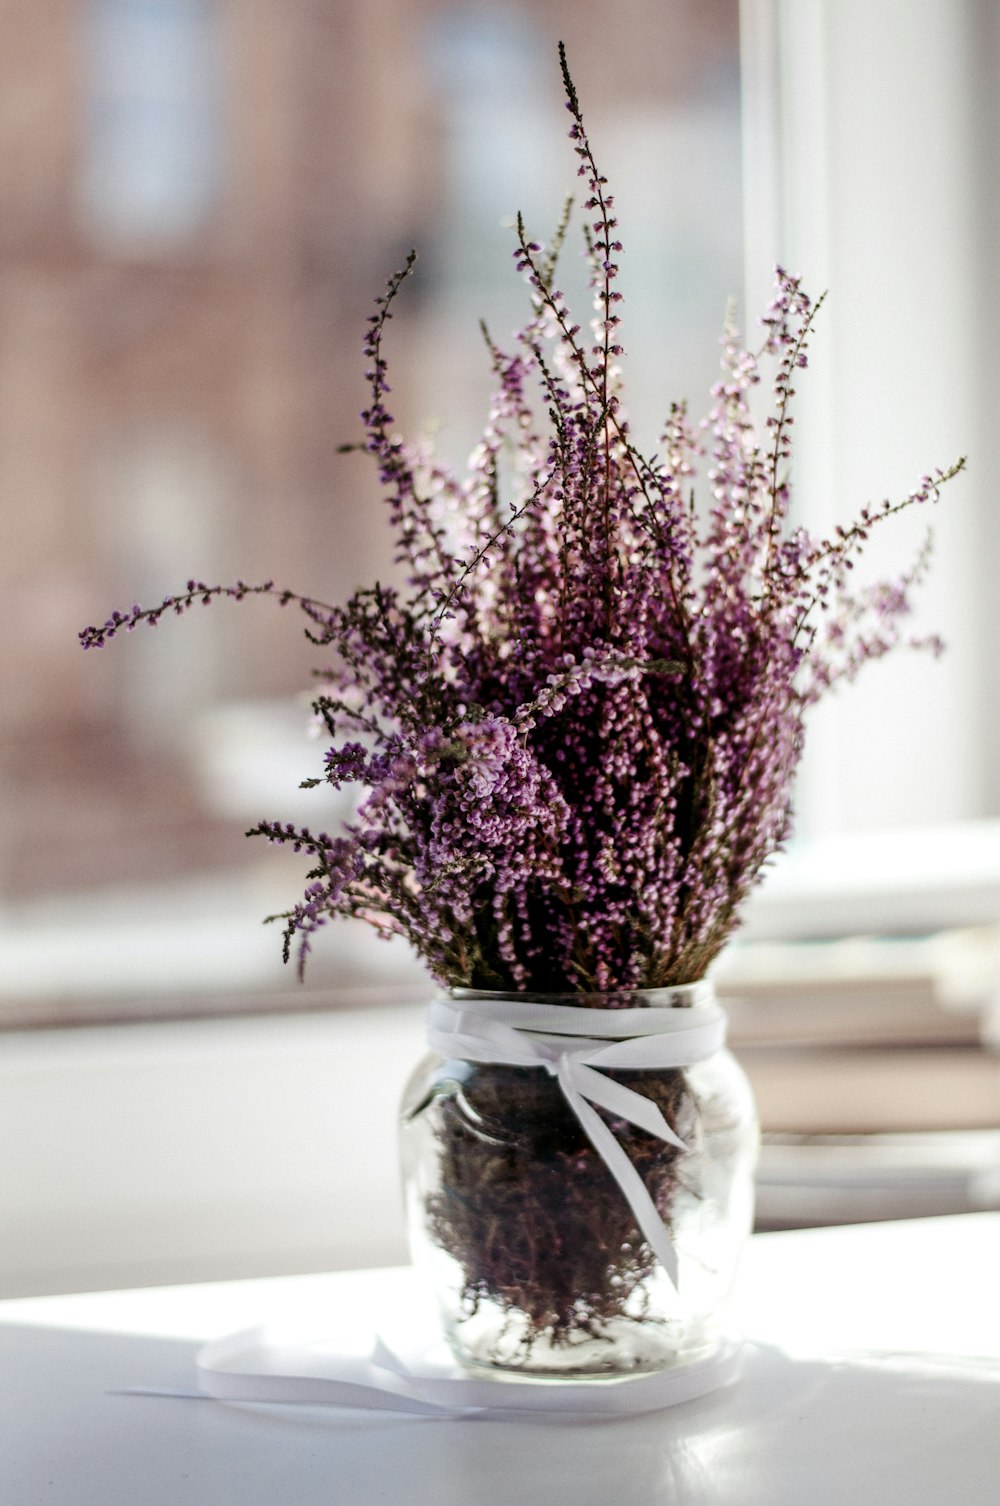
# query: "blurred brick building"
[[198, 202]]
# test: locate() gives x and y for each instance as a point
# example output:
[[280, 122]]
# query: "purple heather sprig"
[[574, 726]]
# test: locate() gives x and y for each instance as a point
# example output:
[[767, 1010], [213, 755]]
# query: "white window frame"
[[859, 127]]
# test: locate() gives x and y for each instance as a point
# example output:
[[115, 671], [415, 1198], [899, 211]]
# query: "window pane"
[[151, 148], [176, 411]]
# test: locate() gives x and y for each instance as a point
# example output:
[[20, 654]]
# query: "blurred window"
[[166, 416], [153, 133]]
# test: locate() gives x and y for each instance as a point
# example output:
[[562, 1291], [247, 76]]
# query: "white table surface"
[[872, 1376]]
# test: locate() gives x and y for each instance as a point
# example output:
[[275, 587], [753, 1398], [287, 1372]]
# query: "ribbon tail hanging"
[[622, 1101], [653, 1228]]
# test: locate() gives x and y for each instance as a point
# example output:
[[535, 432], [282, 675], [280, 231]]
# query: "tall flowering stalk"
[[574, 728]]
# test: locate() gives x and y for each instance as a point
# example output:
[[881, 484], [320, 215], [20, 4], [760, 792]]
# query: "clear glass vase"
[[529, 1243]]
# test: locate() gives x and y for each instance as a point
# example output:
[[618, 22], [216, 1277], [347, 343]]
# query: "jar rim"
[[673, 996]]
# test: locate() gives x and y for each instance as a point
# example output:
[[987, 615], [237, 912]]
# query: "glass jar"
[[525, 1235]]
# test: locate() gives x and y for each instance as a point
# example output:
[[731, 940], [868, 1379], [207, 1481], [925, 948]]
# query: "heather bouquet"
[[573, 718], [577, 721]]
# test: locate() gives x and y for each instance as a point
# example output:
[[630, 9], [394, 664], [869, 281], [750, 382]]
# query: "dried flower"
[[574, 728]]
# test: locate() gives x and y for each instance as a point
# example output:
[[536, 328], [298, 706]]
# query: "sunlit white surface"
[[927, 1287], [872, 1377], [860, 883]]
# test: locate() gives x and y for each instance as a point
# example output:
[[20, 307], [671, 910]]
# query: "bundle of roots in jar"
[[529, 1209]]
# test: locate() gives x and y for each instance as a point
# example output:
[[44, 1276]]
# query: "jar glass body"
[[526, 1238]]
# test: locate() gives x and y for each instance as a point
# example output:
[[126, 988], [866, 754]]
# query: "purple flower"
[[575, 727]]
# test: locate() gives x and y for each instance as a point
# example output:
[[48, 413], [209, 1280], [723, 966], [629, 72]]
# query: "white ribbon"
[[261, 1366], [512, 1032]]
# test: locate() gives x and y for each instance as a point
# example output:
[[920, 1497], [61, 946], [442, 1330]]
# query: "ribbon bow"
[[512, 1032]]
